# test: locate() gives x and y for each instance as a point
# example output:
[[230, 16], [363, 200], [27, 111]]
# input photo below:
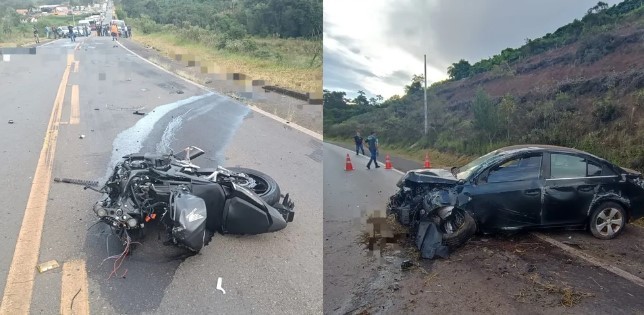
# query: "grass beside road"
[[436, 158], [291, 68]]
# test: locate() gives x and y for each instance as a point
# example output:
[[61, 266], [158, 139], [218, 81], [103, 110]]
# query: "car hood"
[[429, 176]]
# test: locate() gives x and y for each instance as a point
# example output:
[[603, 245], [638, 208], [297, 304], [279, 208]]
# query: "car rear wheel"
[[608, 220]]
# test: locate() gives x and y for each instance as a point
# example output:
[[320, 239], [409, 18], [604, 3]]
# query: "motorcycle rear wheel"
[[266, 188]]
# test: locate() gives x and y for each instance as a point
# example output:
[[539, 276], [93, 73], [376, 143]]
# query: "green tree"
[[333, 99], [415, 86], [507, 107], [486, 115], [361, 99], [459, 70]]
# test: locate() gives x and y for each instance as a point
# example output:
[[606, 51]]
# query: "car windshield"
[[466, 170]]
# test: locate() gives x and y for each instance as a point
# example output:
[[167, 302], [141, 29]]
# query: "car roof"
[[543, 147]]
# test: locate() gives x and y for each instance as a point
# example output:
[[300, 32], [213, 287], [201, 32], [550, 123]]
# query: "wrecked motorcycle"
[[191, 202], [425, 203]]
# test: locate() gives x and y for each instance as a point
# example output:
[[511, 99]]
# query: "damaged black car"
[[516, 188]]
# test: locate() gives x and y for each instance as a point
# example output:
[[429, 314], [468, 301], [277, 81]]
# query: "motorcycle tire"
[[271, 195], [463, 234]]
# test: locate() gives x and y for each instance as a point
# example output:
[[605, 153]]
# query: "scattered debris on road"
[[76, 181], [49, 265], [10, 121], [219, 280], [82, 137], [138, 113], [406, 264]]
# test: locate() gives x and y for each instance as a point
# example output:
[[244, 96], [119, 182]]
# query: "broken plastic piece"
[[138, 113], [219, 285], [11, 121], [153, 216], [49, 265], [406, 264]]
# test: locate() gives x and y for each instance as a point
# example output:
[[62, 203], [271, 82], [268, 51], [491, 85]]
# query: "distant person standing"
[[129, 31], [358, 140], [72, 36], [36, 35], [372, 144], [115, 32], [47, 31]]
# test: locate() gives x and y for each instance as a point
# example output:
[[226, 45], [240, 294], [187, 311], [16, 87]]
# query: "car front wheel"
[[608, 220]]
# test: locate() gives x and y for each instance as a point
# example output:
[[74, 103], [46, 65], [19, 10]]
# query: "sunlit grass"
[[293, 71]]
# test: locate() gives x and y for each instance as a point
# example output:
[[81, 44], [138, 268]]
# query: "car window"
[[593, 169], [523, 168], [567, 166]]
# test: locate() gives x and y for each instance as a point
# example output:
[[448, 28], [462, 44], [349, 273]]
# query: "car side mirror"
[[461, 181]]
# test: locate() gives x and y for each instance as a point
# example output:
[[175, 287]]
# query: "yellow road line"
[[74, 296], [74, 116], [18, 290], [76, 66]]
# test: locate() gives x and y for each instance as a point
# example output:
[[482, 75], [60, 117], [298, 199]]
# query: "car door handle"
[[586, 188], [532, 192]]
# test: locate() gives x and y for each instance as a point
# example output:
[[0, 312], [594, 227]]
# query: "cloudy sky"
[[378, 45]]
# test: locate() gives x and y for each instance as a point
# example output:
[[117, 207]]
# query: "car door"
[[571, 184], [507, 195]]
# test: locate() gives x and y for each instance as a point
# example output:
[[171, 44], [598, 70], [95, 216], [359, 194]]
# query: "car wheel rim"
[[609, 222]]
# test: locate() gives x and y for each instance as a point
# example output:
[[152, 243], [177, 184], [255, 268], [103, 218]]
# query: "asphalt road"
[[273, 273], [349, 197]]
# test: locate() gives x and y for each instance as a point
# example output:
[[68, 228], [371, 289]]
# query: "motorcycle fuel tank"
[[189, 218]]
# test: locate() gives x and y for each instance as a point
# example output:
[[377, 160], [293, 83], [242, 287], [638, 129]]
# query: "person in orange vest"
[[115, 32]]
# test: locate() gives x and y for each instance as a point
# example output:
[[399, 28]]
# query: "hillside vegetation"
[[278, 40], [581, 86]]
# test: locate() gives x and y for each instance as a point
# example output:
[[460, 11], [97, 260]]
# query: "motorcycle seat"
[[215, 198]]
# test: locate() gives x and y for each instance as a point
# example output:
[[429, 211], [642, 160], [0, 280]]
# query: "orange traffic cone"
[[387, 162], [348, 166], [427, 163]]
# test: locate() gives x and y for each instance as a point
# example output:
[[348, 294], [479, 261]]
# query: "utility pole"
[[425, 90], [72, 8]]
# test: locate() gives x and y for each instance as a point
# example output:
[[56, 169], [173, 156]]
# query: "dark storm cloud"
[[340, 75], [399, 78], [449, 30]]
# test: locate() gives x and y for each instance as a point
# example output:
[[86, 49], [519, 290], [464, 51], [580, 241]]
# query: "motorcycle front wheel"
[[265, 186]]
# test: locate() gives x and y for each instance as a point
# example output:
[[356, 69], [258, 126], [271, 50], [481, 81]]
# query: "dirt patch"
[[626, 251], [288, 108], [502, 274]]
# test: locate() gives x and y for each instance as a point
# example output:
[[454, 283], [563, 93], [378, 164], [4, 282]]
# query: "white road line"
[[624, 274], [276, 118], [47, 43]]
